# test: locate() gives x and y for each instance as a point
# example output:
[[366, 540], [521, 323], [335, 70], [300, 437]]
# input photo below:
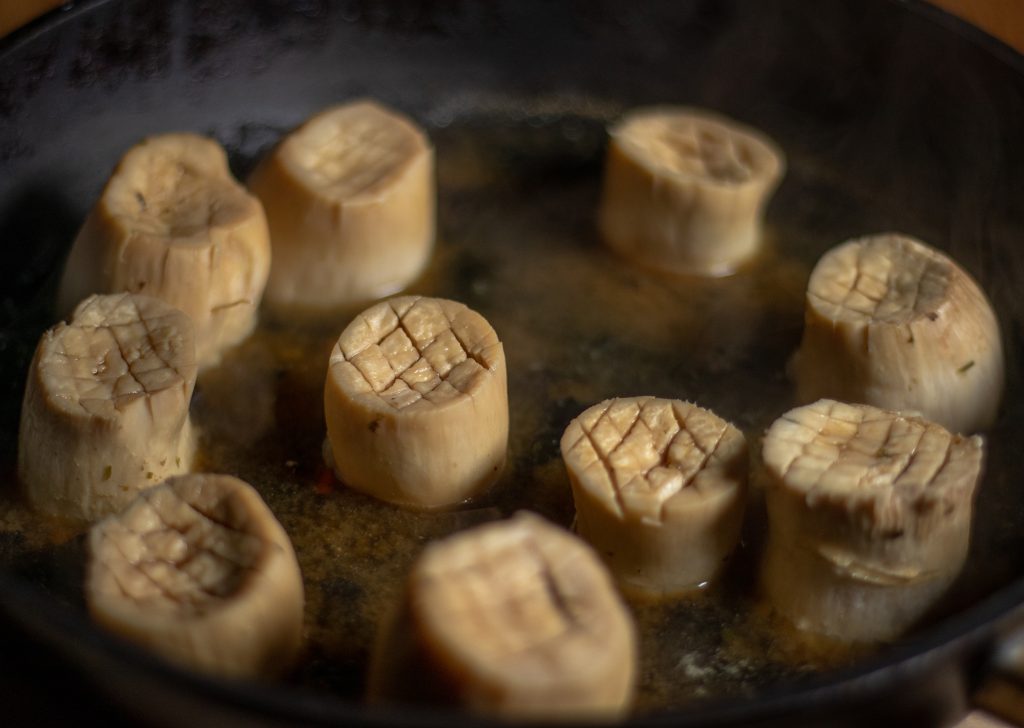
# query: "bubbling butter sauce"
[[517, 242]]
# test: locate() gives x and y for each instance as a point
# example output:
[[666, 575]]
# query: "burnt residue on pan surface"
[[888, 122]]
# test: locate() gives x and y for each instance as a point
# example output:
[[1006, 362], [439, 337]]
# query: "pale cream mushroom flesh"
[[350, 200], [199, 571], [517, 619], [685, 190], [660, 490], [869, 517], [106, 407], [416, 402], [894, 323], [173, 223]]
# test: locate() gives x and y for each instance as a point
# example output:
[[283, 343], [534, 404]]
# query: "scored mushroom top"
[[413, 353], [106, 406], [173, 223], [894, 323], [891, 279], [116, 349], [183, 548], [869, 517], [698, 144], [354, 151], [177, 187], [685, 190], [528, 610], [199, 569], [646, 458], [884, 471]]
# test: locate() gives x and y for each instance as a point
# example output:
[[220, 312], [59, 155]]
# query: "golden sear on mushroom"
[[641, 451], [414, 351]]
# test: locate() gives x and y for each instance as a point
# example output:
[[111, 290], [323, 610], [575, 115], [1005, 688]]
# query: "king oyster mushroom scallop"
[[894, 323], [350, 201], [416, 402], [869, 515], [660, 490], [517, 619], [106, 406], [685, 189], [199, 570], [173, 223]]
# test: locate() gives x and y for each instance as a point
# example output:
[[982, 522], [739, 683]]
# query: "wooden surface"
[[14, 13], [1003, 19]]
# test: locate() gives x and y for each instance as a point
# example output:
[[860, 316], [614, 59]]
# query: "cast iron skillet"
[[897, 108]]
